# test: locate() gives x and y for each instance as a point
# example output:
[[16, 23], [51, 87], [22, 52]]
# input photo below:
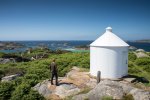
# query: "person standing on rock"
[[54, 71]]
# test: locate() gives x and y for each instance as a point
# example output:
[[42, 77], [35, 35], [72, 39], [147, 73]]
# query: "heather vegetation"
[[35, 71], [139, 66]]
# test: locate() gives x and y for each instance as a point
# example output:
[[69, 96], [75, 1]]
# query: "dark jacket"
[[53, 67]]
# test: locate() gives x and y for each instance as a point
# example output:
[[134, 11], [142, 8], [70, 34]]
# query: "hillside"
[[37, 70]]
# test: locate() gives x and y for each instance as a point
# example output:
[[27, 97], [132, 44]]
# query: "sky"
[[73, 19]]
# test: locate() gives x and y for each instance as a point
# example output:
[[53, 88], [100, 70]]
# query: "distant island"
[[10, 45], [82, 47], [143, 41]]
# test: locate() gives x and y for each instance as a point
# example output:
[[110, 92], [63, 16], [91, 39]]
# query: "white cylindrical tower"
[[109, 54]]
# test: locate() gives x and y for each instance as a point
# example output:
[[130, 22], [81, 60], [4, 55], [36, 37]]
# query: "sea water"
[[65, 45]]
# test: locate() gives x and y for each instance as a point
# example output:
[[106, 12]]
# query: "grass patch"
[[85, 90], [84, 70], [128, 97], [107, 98]]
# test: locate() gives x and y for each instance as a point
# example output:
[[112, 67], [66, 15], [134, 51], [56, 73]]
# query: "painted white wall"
[[111, 61]]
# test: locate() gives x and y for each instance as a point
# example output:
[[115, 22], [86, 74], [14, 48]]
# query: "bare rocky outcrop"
[[80, 78], [65, 90], [7, 60], [141, 54], [51, 91], [102, 90], [114, 89], [76, 81], [44, 89], [132, 48], [10, 77], [139, 94], [140, 50]]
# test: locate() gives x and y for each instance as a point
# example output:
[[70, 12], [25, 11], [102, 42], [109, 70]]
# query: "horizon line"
[[46, 40], [68, 40]]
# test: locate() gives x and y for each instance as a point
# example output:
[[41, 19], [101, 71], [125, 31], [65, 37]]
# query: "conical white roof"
[[109, 39]]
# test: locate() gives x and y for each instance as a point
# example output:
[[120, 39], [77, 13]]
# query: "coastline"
[[72, 46]]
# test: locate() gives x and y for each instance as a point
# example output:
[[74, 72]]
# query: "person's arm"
[[50, 67], [56, 68]]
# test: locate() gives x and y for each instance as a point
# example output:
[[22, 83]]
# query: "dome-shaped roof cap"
[[109, 29]]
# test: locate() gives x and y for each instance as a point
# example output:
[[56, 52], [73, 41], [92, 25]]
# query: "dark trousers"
[[56, 77]]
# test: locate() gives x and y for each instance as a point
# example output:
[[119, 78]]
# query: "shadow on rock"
[[137, 79]]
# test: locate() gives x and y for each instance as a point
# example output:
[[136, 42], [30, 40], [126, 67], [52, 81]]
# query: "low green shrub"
[[6, 89], [146, 68], [1, 54], [18, 81], [134, 70], [128, 97], [142, 61], [31, 76], [132, 56], [107, 98], [13, 70], [130, 64], [33, 95], [1, 73], [20, 91]]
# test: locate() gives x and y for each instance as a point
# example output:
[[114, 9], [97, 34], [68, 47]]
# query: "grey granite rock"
[[141, 54], [114, 89], [9, 78], [65, 90], [76, 81], [139, 94], [80, 97], [102, 90], [42, 88]]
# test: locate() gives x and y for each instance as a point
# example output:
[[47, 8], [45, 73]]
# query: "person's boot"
[[51, 82], [57, 83]]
